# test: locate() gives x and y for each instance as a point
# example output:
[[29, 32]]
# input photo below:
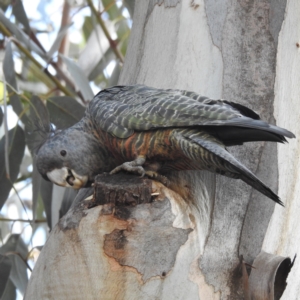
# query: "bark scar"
[[150, 244]]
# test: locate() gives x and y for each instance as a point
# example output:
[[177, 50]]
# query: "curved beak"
[[67, 178]]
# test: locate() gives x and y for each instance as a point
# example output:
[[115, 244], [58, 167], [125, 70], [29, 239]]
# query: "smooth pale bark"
[[283, 234], [148, 251], [221, 49]]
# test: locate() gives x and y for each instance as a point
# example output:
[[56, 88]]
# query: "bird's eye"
[[63, 152]]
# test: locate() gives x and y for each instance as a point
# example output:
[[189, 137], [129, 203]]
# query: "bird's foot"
[[134, 166]]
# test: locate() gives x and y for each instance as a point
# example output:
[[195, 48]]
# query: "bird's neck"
[[82, 125]]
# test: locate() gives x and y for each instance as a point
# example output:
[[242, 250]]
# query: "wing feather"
[[121, 110]]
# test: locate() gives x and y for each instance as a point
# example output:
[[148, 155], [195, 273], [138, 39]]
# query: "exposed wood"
[[121, 190]]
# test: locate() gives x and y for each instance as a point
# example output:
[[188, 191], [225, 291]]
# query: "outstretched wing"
[[121, 110]]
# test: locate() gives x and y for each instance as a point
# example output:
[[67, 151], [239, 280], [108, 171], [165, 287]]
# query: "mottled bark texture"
[[228, 51], [249, 58], [122, 250]]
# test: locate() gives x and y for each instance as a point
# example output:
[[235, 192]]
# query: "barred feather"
[[168, 129], [121, 110]]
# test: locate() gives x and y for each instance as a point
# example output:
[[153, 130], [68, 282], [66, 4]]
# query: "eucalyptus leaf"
[[64, 111], [13, 28], [1, 116], [9, 66], [46, 188], [5, 267], [101, 81], [36, 184], [4, 4], [20, 14], [122, 29], [113, 80], [79, 78], [123, 46], [36, 133], [13, 249], [88, 27], [96, 46], [10, 77], [20, 35], [39, 111], [26, 63], [130, 6], [113, 10], [56, 44], [17, 146], [38, 128], [39, 248], [123, 32], [68, 198], [31, 86], [9, 292], [103, 63]]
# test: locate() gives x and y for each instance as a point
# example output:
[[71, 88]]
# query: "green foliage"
[[44, 86], [16, 147]]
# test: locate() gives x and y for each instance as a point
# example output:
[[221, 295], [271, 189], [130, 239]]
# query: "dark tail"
[[222, 162], [261, 187], [248, 130]]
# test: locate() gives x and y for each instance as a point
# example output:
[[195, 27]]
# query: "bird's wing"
[[121, 110]]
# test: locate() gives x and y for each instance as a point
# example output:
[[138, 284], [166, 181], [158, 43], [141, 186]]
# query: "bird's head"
[[70, 158]]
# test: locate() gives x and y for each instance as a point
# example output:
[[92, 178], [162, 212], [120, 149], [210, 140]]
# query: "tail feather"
[[222, 162], [231, 136], [261, 187], [259, 125]]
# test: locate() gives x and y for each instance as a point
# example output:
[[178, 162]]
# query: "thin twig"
[[11, 87], [64, 22], [112, 43]]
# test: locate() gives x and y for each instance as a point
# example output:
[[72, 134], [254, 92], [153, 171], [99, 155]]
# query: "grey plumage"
[[143, 128]]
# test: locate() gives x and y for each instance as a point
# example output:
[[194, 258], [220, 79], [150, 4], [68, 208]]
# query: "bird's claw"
[[136, 168], [129, 167]]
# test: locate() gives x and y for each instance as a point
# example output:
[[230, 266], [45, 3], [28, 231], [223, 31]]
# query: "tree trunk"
[[187, 243]]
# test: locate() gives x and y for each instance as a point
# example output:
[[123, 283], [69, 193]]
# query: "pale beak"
[[67, 178]]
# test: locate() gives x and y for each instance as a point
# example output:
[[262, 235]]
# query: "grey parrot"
[[152, 131]]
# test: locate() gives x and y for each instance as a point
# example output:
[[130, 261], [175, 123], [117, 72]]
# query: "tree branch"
[[112, 42]]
